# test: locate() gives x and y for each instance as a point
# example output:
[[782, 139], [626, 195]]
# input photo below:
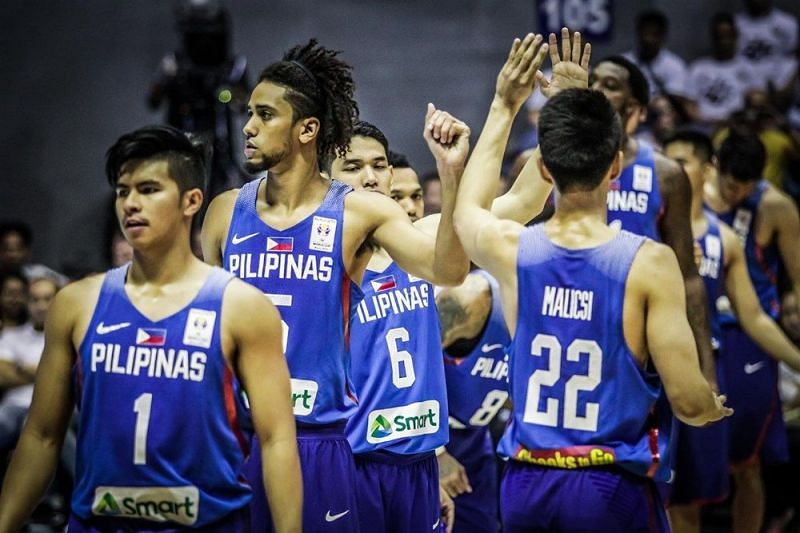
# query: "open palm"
[[571, 68]]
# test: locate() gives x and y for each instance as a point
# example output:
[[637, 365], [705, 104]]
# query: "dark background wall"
[[75, 76]]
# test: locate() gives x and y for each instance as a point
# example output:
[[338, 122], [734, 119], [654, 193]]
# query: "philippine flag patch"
[[151, 336], [280, 244], [383, 284]]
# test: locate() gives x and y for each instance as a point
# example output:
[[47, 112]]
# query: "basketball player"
[[652, 195], [155, 352], [702, 472], [299, 238], [766, 221], [575, 284]]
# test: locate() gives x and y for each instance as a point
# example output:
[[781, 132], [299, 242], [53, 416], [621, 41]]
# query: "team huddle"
[[334, 365]]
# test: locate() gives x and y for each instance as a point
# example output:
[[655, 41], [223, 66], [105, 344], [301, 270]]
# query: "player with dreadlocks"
[[298, 237]]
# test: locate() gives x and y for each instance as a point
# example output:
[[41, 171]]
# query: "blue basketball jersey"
[[398, 371], [159, 436], [634, 199], [712, 266], [477, 384], [763, 263], [302, 271], [580, 398]]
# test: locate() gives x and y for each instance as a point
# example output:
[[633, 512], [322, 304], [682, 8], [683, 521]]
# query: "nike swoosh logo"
[[238, 240], [436, 525], [751, 368], [102, 330], [486, 348], [334, 517]]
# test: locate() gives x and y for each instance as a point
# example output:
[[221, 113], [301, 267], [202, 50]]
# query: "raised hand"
[[447, 138], [517, 78], [571, 69]]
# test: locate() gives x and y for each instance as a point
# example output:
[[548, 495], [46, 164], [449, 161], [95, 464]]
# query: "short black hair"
[[184, 155], [14, 274], [20, 228], [652, 17], [579, 135], [640, 88], [320, 85], [398, 160], [742, 156], [361, 128], [701, 143]]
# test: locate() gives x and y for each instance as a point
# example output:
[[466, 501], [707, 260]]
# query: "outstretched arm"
[[676, 232], [440, 260], [655, 274], [36, 455], [787, 222], [255, 326]]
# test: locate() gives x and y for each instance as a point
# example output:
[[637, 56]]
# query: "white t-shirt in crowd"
[[719, 87], [21, 345], [668, 68], [766, 43]]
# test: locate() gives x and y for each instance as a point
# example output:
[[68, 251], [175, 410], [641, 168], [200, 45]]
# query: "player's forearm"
[[697, 313], [695, 404], [29, 474], [450, 261], [482, 173], [283, 483], [527, 195], [766, 333]]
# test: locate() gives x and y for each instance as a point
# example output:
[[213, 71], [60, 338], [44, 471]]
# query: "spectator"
[[13, 298], [767, 41], [665, 71], [20, 351], [16, 239], [718, 83]]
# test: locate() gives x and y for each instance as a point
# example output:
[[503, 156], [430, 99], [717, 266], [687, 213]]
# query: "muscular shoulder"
[[655, 263], [246, 308], [74, 304], [474, 288], [776, 203], [429, 224], [222, 205]]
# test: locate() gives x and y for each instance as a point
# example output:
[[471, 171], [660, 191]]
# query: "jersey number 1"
[[142, 409]]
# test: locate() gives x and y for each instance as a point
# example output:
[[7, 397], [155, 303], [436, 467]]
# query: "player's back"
[[570, 363], [159, 436]]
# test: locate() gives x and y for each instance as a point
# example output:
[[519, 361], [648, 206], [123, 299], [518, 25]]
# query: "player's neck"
[[300, 182], [582, 213], [630, 147], [161, 265], [697, 202]]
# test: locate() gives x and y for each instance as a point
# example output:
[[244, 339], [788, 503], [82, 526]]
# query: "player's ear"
[[309, 129], [192, 201], [543, 172], [616, 166]]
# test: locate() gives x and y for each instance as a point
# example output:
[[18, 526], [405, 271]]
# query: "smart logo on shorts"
[[414, 419], [157, 504], [151, 336]]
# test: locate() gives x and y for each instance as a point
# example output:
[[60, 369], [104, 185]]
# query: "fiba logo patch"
[[199, 328], [323, 234]]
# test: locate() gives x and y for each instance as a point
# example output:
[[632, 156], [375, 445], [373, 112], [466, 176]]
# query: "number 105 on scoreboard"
[[593, 18]]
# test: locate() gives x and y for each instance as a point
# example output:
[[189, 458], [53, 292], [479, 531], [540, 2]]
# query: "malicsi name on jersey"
[[562, 302]]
